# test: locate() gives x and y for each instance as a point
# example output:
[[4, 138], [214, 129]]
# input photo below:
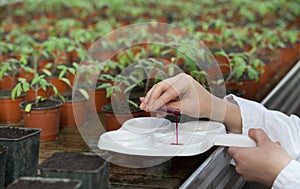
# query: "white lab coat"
[[279, 127]]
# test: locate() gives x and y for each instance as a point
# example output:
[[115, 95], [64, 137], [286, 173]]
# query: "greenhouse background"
[[90, 61]]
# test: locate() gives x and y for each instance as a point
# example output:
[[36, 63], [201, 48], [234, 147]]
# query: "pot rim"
[[4, 96], [36, 131], [23, 104]]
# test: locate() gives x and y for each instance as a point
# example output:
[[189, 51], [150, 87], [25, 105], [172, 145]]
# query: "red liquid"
[[175, 112], [176, 129]]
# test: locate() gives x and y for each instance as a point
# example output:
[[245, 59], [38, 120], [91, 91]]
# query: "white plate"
[[154, 137], [146, 124], [204, 127], [130, 139]]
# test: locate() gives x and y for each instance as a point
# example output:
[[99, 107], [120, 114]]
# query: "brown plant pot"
[[43, 117], [6, 83], [11, 112], [114, 121], [250, 88], [223, 64], [97, 99], [73, 113], [27, 75], [31, 96], [59, 84]]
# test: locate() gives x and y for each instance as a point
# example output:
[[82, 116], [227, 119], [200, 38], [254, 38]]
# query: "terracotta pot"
[[6, 83], [10, 110], [249, 88], [289, 55], [223, 64], [27, 75], [114, 121], [62, 57], [73, 113], [31, 96], [42, 64], [97, 99], [271, 60], [45, 118], [59, 84]]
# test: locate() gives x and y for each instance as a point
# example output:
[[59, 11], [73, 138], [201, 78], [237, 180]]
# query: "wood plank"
[[141, 181]]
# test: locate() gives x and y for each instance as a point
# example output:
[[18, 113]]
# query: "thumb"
[[175, 104], [258, 135]]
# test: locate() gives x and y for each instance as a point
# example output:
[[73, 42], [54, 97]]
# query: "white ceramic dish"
[[130, 139], [154, 137], [146, 124]]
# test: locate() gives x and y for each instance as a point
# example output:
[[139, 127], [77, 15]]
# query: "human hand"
[[181, 92], [262, 163]]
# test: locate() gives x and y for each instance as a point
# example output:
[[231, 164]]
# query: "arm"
[[283, 171], [278, 126], [186, 94]]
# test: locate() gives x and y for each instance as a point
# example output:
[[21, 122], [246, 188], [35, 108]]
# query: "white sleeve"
[[288, 178], [278, 126]]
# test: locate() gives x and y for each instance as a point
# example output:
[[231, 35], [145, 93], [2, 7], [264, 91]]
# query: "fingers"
[[142, 99], [232, 151], [163, 99], [158, 95], [149, 96], [258, 135]]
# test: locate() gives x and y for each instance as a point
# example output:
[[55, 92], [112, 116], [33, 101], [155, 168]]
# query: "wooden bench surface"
[[170, 174]]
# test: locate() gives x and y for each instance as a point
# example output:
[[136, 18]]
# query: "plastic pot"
[[3, 150], [97, 99], [22, 154], [92, 170], [114, 120], [73, 113], [46, 183], [45, 118], [12, 113]]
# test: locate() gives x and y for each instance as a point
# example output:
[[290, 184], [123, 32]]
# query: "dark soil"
[[14, 133], [46, 104], [36, 184], [236, 92], [73, 161]]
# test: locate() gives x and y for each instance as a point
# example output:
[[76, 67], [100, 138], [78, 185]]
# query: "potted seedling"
[[245, 69], [83, 39], [73, 111], [12, 113], [57, 49], [97, 79], [65, 26], [100, 96], [134, 82], [40, 110]]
